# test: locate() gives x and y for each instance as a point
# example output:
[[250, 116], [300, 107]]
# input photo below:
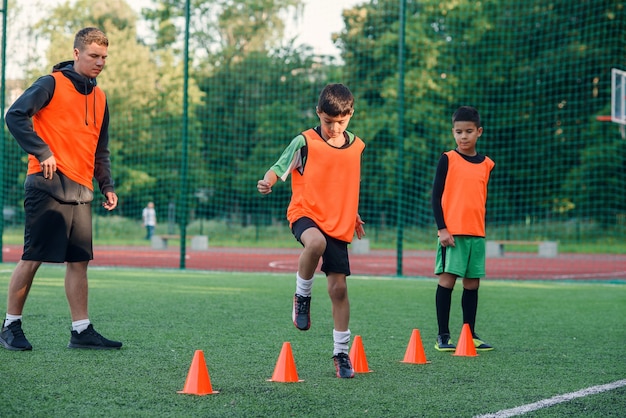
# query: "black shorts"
[[335, 257], [56, 232]]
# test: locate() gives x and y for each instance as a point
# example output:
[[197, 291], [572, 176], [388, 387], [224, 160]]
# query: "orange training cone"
[[415, 350], [285, 370], [357, 356], [198, 381], [465, 346]]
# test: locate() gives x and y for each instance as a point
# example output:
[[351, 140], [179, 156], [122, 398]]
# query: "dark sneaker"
[[480, 344], [301, 314], [444, 343], [90, 338], [12, 337], [343, 366]]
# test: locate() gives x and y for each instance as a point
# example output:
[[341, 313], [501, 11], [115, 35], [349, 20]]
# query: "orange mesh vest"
[[328, 189], [61, 124], [465, 195]]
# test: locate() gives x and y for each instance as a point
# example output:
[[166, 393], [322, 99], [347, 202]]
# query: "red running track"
[[517, 266]]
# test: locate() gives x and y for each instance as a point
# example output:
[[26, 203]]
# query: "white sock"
[[303, 287], [80, 325], [11, 318], [341, 341]]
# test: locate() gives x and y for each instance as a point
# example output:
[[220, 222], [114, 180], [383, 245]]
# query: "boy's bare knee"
[[317, 247], [471, 284], [314, 241], [338, 290], [447, 280]]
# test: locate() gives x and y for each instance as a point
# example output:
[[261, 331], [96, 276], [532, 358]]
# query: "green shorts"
[[466, 259]]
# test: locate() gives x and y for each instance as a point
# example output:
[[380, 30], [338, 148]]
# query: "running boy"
[[458, 200], [325, 167]]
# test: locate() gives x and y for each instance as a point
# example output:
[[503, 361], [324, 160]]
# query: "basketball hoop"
[[608, 118], [618, 101]]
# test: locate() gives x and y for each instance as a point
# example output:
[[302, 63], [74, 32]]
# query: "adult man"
[[67, 143]]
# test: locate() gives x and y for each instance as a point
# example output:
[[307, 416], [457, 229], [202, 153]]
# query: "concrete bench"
[[544, 248], [198, 242], [360, 246]]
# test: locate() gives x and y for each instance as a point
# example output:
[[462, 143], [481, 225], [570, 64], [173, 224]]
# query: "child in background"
[[148, 214]]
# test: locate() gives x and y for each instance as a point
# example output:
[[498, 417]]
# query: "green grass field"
[[551, 338]]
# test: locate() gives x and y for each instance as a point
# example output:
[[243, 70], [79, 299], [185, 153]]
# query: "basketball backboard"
[[618, 96]]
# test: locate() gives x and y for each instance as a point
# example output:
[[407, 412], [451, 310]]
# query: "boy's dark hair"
[[467, 114], [88, 36], [336, 100]]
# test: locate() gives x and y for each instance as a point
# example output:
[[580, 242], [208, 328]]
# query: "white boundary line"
[[554, 400]]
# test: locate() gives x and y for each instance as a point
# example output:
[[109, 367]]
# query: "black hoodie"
[[35, 98]]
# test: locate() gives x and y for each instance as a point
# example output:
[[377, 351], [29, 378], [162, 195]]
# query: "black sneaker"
[[90, 338], [12, 337], [343, 366], [444, 343], [480, 344], [301, 314]]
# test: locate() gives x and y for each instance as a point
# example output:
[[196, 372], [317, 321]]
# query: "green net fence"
[[194, 139]]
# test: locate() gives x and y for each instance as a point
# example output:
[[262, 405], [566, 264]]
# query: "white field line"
[[520, 410]]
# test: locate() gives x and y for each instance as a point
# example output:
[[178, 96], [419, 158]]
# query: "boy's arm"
[[289, 160], [445, 238], [264, 186], [438, 186]]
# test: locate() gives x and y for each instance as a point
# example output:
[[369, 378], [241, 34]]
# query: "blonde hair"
[[88, 36]]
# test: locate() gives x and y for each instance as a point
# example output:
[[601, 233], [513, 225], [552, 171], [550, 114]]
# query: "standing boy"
[[458, 200], [62, 122], [325, 167]]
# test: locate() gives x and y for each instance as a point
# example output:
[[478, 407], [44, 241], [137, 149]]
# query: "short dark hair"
[[88, 36], [467, 114], [336, 100]]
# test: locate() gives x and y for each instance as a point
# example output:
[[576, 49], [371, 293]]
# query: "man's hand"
[[48, 167], [111, 202], [360, 231]]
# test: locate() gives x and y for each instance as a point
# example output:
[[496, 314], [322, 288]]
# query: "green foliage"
[[253, 109], [145, 98], [221, 31], [536, 88], [240, 322], [539, 73]]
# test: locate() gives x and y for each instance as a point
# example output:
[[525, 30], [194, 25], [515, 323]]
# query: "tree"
[[369, 45], [145, 99], [222, 30], [536, 70], [253, 109]]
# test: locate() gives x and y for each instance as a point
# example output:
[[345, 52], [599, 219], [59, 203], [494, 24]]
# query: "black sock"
[[443, 300], [469, 304]]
